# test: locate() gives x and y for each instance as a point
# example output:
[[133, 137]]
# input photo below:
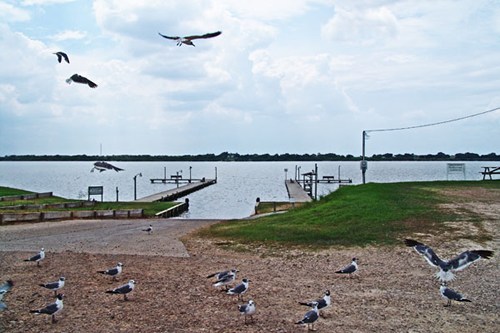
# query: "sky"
[[285, 76]]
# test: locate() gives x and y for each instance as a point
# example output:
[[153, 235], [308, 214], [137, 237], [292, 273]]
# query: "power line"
[[432, 124]]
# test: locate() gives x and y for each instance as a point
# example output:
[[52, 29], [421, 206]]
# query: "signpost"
[[96, 190]]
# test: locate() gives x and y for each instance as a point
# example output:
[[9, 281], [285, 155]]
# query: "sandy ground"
[[395, 290]]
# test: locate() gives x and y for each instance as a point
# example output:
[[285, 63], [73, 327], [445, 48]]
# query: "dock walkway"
[[295, 192], [177, 192]]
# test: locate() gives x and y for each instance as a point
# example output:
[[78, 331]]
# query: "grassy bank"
[[357, 215], [150, 208]]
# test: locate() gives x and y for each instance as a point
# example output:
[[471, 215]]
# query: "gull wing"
[[466, 258], [169, 37], [209, 35], [429, 255]]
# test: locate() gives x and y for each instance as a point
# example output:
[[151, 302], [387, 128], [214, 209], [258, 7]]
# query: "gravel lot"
[[394, 291]]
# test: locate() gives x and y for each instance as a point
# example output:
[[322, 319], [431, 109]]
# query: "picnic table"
[[488, 171]]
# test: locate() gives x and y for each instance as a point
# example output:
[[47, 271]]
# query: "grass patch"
[[371, 214]]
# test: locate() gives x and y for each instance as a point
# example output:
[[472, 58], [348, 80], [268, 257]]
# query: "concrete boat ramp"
[[175, 193]]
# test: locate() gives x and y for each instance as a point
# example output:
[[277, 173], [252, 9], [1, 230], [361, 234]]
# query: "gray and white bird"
[[310, 317], [349, 269], [52, 309], [81, 79], [114, 272], [149, 229], [451, 295], [37, 257], [123, 290], [323, 302], [224, 278], [188, 40], [240, 289], [61, 55], [448, 267], [4, 289], [55, 286], [247, 310]]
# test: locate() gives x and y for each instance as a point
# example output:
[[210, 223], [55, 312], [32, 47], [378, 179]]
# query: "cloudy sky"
[[285, 76]]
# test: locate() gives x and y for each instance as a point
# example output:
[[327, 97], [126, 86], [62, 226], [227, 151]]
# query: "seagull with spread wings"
[[80, 79], [61, 55], [188, 40]]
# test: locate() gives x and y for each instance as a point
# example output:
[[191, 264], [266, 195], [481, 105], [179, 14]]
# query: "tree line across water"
[[229, 157]]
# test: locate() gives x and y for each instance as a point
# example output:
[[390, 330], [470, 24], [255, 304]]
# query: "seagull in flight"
[[37, 257], [114, 272], [60, 55], [51, 309], [447, 267], [55, 286], [247, 310], [123, 290], [310, 317], [240, 289], [188, 40], [349, 269], [451, 295], [80, 79], [323, 302]]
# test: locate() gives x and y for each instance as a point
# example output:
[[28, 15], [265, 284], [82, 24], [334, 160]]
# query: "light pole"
[[286, 171], [135, 184], [190, 173]]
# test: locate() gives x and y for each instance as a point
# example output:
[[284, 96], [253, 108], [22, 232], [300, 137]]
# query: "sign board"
[[455, 168], [96, 190]]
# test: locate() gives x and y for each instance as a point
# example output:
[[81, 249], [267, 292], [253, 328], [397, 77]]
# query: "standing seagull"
[[114, 272], [149, 229], [123, 290], [310, 317], [323, 302], [55, 286], [51, 309], [247, 310], [224, 278], [60, 55], [239, 289], [451, 294], [4, 289], [37, 257], [188, 39], [349, 269], [80, 79], [446, 268]]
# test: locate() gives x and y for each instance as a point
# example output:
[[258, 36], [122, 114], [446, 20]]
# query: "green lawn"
[[354, 215]]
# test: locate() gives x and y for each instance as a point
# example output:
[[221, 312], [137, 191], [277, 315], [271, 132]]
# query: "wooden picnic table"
[[488, 171]]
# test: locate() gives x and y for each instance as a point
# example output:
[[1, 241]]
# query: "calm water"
[[238, 183]]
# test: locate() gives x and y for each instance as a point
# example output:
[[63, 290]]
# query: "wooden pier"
[[178, 192], [295, 192]]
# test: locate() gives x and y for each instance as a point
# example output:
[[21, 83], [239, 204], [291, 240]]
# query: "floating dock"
[[296, 192], [178, 192]]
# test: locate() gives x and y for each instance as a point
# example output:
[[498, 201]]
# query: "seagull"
[[447, 267], [80, 79], [51, 309], [247, 310], [451, 294], [114, 272], [239, 289], [188, 39], [349, 269], [4, 289], [123, 290], [60, 55], [149, 229], [310, 317], [37, 257], [323, 302], [103, 166], [55, 286], [224, 278]]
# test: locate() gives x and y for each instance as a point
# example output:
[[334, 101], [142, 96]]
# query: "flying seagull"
[[80, 79], [240, 289], [451, 295], [103, 166], [310, 317], [447, 267], [224, 278], [323, 302], [51, 309], [37, 257], [247, 310], [349, 269], [149, 229], [188, 39], [123, 290], [55, 286], [60, 55], [4, 289], [114, 272]]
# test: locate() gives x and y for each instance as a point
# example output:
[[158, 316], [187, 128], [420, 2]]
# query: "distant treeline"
[[229, 157]]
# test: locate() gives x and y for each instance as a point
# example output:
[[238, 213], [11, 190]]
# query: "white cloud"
[[10, 13], [69, 35]]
